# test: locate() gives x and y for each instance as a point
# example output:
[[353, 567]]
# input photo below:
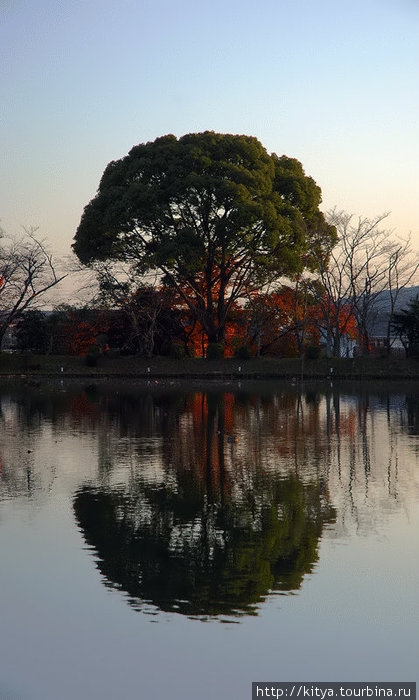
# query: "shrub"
[[177, 352], [215, 351], [313, 352], [93, 354], [243, 352]]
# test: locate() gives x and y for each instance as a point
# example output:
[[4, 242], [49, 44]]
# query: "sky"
[[334, 83]]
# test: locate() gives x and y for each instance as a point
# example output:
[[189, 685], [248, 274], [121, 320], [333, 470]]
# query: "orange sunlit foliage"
[[80, 333], [199, 321], [203, 440], [343, 319], [81, 336], [229, 401], [280, 323], [196, 339], [289, 317], [272, 318], [275, 323], [282, 319]]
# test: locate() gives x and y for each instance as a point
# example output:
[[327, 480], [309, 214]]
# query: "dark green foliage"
[[102, 340], [177, 352], [92, 356], [313, 352], [142, 321], [215, 351], [27, 361], [406, 326], [243, 353], [247, 558], [33, 332], [215, 213], [48, 332]]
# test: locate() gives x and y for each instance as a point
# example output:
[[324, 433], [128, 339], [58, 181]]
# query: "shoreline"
[[160, 368]]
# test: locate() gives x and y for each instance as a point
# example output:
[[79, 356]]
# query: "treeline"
[[285, 322], [288, 322], [242, 262]]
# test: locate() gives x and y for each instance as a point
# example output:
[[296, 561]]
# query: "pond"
[[171, 540]]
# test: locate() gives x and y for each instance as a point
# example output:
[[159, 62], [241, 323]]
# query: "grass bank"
[[263, 368]]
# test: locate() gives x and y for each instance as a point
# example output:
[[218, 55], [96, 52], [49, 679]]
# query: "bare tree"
[[142, 304], [336, 290], [27, 272], [366, 265], [367, 250]]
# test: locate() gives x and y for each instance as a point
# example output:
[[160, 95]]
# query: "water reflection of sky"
[[249, 493]]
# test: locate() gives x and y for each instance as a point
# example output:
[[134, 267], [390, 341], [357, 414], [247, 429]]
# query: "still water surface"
[[170, 541]]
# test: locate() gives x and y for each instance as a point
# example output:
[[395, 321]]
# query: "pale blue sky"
[[333, 83]]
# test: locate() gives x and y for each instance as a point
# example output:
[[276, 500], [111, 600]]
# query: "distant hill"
[[382, 309], [404, 296]]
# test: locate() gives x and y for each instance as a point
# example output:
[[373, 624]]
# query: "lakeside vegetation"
[[209, 247]]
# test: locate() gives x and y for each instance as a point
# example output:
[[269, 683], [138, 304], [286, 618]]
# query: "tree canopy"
[[221, 562], [215, 214]]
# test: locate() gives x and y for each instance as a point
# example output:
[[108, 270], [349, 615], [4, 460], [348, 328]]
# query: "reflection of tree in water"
[[198, 544], [205, 472], [412, 414]]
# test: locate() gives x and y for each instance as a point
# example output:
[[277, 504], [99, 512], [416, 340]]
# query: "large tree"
[[215, 214]]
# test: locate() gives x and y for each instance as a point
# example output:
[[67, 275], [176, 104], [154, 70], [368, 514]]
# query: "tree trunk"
[[3, 330], [336, 344], [216, 335]]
